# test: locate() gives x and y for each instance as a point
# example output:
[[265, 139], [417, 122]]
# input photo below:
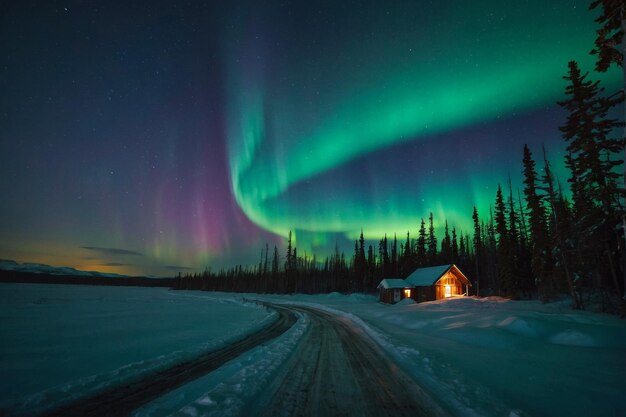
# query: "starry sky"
[[158, 137]]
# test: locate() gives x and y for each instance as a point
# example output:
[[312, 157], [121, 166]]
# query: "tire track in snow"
[[337, 370], [122, 400]]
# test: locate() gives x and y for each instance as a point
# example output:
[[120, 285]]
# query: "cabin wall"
[[456, 286], [422, 294], [386, 295], [438, 290]]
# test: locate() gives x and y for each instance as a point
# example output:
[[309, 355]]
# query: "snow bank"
[[477, 357], [496, 357], [228, 390], [63, 342]]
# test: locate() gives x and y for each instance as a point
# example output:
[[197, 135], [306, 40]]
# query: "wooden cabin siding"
[[387, 295], [424, 294], [425, 284], [456, 286]]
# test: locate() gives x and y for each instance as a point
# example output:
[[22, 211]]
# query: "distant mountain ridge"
[[10, 265]]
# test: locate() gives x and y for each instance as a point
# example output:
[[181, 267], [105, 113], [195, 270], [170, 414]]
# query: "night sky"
[[170, 136]]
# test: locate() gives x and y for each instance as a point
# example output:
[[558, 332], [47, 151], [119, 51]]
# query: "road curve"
[[337, 370], [121, 401]]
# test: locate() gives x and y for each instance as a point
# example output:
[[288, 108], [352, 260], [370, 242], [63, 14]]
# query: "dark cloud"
[[177, 268], [114, 264], [112, 251]]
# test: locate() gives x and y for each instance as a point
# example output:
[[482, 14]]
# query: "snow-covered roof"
[[394, 283], [424, 277]]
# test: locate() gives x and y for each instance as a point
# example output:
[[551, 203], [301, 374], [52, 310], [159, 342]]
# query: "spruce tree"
[[383, 257], [611, 35], [592, 162], [432, 241], [562, 242], [478, 248], [446, 245], [421, 245], [408, 263], [505, 282], [609, 47], [371, 268], [394, 256], [541, 262], [455, 247]]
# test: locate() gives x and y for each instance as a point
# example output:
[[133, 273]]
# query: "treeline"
[[547, 242], [39, 278], [360, 272]]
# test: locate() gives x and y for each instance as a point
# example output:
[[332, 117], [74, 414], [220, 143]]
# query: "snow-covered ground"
[[495, 357], [477, 357], [60, 342]]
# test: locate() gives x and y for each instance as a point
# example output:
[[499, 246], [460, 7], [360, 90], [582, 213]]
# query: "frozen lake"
[[59, 342]]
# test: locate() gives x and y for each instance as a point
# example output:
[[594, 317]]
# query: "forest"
[[550, 239]]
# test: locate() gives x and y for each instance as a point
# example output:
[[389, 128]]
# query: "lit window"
[[407, 293], [448, 292]]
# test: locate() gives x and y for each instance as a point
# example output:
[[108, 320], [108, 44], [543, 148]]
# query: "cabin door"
[[396, 296]]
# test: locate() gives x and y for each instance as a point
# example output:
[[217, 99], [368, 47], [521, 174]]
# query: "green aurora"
[[291, 124]]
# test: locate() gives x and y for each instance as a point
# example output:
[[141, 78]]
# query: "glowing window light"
[[448, 291], [407, 293]]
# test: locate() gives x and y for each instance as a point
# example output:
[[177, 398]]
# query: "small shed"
[[438, 282], [393, 290]]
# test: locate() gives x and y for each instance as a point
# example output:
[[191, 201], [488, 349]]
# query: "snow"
[[228, 390], [61, 342], [477, 357], [390, 283], [427, 276], [497, 357]]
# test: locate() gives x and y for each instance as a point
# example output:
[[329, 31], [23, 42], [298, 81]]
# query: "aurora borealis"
[[189, 134]]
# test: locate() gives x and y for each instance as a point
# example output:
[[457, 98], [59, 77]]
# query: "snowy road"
[[337, 370]]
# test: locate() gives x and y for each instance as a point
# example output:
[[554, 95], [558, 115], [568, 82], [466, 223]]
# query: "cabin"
[[438, 282], [426, 284], [393, 290]]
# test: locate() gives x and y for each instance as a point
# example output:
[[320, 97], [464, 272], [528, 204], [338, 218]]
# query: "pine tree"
[[505, 276], [265, 264], [289, 265], [362, 252], [592, 162], [478, 248], [591, 152], [609, 47], [383, 257], [432, 241], [541, 263], [611, 34], [563, 243], [408, 263], [514, 234], [371, 268], [463, 255], [360, 264], [446, 245], [455, 246], [421, 245], [394, 256], [275, 263]]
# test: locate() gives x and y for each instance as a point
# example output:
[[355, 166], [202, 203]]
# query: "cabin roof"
[[390, 283], [424, 277]]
